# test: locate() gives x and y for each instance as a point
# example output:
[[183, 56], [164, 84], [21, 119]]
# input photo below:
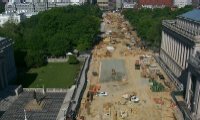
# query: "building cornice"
[[171, 24], [4, 43]]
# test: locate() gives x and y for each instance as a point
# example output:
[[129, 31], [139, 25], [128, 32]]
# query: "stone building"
[[193, 86], [180, 39], [155, 3], [27, 7], [35, 6], [103, 4], [182, 3], [13, 17], [7, 62], [196, 2], [129, 4], [119, 4]]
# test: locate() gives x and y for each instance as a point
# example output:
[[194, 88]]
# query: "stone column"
[[176, 50], [162, 42], [161, 46], [182, 54], [188, 87], [188, 54], [165, 41], [173, 51], [179, 52], [167, 44], [185, 57], [171, 47]]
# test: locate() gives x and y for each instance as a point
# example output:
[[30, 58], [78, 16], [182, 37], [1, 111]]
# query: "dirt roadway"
[[146, 109]]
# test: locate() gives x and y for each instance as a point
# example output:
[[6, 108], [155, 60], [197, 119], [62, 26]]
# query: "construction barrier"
[[75, 103]]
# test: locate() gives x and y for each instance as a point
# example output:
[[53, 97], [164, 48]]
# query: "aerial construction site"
[[124, 80]]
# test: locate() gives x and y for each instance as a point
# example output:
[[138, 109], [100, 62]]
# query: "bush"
[[157, 87], [73, 60], [34, 59]]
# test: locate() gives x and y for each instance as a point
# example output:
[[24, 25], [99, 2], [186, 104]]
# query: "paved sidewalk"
[[65, 105], [78, 92], [80, 86]]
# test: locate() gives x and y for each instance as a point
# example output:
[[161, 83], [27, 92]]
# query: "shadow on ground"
[[9, 91], [26, 79], [1, 113]]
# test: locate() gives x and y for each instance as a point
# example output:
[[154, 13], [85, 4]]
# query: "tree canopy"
[[53, 33], [72, 60], [147, 22]]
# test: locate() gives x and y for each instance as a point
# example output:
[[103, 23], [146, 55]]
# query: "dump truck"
[[137, 65]]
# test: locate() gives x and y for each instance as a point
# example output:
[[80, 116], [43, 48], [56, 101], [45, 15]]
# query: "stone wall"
[[81, 84], [60, 59], [45, 89]]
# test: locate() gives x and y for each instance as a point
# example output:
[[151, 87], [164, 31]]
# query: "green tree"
[[53, 33], [147, 22], [34, 58], [73, 60]]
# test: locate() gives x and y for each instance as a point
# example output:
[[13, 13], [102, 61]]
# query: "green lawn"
[[53, 75]]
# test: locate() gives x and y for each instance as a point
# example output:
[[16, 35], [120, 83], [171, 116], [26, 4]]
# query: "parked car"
[[102, 94]]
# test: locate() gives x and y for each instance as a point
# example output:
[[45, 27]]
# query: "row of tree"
[[53, 33], [147, 22]]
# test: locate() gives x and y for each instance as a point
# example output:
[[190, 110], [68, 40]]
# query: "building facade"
[[119, 4], [114, 4], [180, 39], [182, 3], [7, 62], [18, 10], [196, 2], [155, 3], [35, 6], [129, 3], [32, 7], [192, 96], [14, 18], [103, 4]]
